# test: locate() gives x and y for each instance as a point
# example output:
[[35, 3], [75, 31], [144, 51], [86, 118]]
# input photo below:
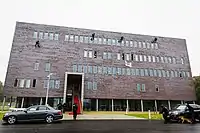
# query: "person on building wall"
[[75, 108]]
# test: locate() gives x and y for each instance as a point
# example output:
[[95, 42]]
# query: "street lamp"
[[48, 84]]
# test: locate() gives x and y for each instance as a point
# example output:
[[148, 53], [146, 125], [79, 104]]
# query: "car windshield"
[[181, 107]]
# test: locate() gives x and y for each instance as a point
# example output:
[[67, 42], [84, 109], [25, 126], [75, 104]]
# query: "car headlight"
[[176, 113]]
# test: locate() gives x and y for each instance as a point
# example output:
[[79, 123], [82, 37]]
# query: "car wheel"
[[49, 119], [12, 120]]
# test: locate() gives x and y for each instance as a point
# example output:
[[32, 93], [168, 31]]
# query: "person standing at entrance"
[[75, 108]]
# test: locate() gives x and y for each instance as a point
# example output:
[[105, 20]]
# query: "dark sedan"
[[33, 113]]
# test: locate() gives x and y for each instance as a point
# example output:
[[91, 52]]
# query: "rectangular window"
[[144, 45], [81, 39], [45, 83], [136, 57], [95, 40], [131, 43], [34, 82], [85, 69], [109, 55], [51, 84], [99, 70], [127, 43], [156, 88], [95, 69], [47, 67], [127, 56], [128, 72], [157, 59], [41, 35], [123, 56], [170, 59], [174, 60], [109, 70], [141, 59], [182, 61], [119, 71], [159, 73], [138, 87], [104, 70], [149, 58], [113, 41], [172, 73], [175, 73], [66, 37], [76, 38], [85, 53], [89, 69], [132, 56], [86, 39], [104, 55], [151, 72], [118, 56], [74, 68], [163, 73], [79, 68], [56, 36], [122, 43], [90, 54], [100, 41], [94, 85], [135, 44], [166, 60], [139, 44], [156, 46], [154, 58], [167, 74], [71, 38], [36, 66], [104, 41], [16, 83], [35, 34], [146, 72], [50, 36], [28, 83], [137, 72], [152, 45], [188, 74], [143, 88], [133, 72], [123, 71], [155, 72], [114, 71], [90, 86], [46, 35], [57, 84], [183, 73], [162, 59], [21, 83], [142, 72], [145, 58], [148, 45]]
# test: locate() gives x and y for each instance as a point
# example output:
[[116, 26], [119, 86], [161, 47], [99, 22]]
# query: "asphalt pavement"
[[101, 126]]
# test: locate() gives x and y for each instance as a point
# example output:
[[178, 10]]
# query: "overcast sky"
[[171, 18]]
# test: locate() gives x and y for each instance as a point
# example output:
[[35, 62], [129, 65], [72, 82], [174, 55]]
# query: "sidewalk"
[[101, 117]]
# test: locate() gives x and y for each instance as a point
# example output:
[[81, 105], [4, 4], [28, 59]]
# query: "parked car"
[[182, 110], [33, 113]]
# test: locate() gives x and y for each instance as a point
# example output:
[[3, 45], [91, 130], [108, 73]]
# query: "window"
[[133, 71], [113, 41], [122, 43], [132, 57], [109, 41], [47, 67], [46, 35], [89, 85], [157, 59], [76, 38], [79, 68], [146, 72], [176, 74], [51, 36], [32, 108], [86, 39], [123, 56], [127, 56], [159, 73], [118, 56], [184, 75], [21, 83], [131, 43], [45, 83], [151, 72], [66, 37], [95, 54], [170, 59], [89, 69], [28, 83], [100, 41], [95, 40], [163, 73], [81, 39], [128, 72], [139, 44], [135, 44], [142, 72], [174, 60], [41, 35], [114, 71], [162, 59], [138, 87], [71, 38], [137, 72], [35, 34], [166, 60], [182, 61], [74, 68], [109, 70], [51, 84], [143, 88], [85, 69], [149, 58], [127, 43], [136, 57], [56, 36], [144, 45], [36, 66], [34, 82], [155, 72], [104, 55], [94, 85], [172, 73], [42, 108], [154, 58], [152, 45], [141, 59], [145, 58], [156, 88], [180, 74], [90, 54], [16, 82], [104, 70], [85, 53], [167, 73], [148, 45], [104, 41], [156, 46], [95, 69], [57, 84], [109, 55], [188, 74], [99, 70], [123, 71], [119, 71]]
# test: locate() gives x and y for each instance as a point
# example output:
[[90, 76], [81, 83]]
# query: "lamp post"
[[48, 84]]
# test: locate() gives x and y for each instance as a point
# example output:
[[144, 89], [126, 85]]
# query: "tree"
[[196, 83]]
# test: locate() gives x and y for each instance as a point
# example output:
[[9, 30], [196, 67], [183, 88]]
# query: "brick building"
[[106, 71]]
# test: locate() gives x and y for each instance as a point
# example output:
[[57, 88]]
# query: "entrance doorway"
[[73, 90]]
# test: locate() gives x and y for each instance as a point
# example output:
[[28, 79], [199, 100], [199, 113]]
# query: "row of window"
[[133, 57], [142, 88], [53, 84], [130, 71], [46, 36], [24, 83], [92, 85], [47, 66], [109, 41]]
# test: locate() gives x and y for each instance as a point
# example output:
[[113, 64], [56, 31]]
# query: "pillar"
[[22, 104], [41, 101], [169, 104], [16, 102], [156, 106], [127, 105], [97, 105], [65, 89], [112, 105], [10, 101], [142, 105], [4, 100], [193, 102], [181, 102]]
